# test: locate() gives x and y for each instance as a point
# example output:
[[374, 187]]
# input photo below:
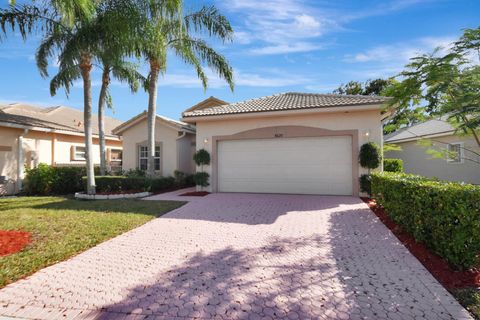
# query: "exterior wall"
[[39, 147], [164, 135], [186, 149], [368, 124], [417, 161]]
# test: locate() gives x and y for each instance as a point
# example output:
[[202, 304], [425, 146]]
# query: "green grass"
[[63, 227], [470, 299]]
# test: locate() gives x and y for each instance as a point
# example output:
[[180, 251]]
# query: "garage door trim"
[[280, 132]]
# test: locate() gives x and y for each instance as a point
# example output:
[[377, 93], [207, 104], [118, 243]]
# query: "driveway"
[[242, 256]]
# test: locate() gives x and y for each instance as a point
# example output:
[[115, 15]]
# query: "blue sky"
[[280, 46]]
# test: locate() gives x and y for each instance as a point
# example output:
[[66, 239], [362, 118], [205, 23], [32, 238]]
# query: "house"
[[30, 135], [461, 161], [295, 143], [175, 145]]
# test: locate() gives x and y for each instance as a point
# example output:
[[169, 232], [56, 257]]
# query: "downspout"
[[178, 149], [20, 161]]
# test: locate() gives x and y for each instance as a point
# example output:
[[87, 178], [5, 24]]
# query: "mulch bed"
[[13, 241], [195, 194], [438, 267]]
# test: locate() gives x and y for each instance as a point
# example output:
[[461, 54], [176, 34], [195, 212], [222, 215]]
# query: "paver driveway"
[[239, 256]]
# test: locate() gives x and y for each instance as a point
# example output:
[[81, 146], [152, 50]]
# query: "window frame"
[[75, 156], [157, 158], [460, 153], [114, 150]]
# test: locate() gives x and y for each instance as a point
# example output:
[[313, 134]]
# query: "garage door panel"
[[316, 165]]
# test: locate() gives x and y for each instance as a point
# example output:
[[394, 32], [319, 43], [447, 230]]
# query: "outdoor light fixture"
[[205, 140]]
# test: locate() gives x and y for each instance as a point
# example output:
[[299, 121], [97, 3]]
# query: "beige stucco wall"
[[172, 147], [363, 121], [417, 161], [39, 147]]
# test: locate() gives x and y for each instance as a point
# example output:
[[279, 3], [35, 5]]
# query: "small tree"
[[201, 158], [369, 156]]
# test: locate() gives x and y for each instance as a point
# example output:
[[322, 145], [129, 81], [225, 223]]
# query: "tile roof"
[[287, 101], [55, 118], [419, 130]]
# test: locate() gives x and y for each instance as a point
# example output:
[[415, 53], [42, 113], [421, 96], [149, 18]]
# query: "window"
[[143, 158], [455, 153], [79, 153], [116, 155]]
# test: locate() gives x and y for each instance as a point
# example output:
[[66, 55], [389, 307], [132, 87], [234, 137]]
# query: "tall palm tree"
[[161, 33]]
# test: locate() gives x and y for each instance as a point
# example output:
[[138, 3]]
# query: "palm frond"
[[208, 19], [126, 72], [64, 78]]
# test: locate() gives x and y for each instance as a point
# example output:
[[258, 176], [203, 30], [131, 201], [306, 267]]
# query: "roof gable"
[[207, 103], [177, 125]]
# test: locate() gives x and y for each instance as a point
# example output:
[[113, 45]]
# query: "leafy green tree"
[[368, 88], [444, 84]]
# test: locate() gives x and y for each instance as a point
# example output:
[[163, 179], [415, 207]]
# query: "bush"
[[445, 216], [183, 179], [39, 180], [369, 156], [393, 165], [45, 179], [366, 183], [201, 157], [162, 183], [201, 179]]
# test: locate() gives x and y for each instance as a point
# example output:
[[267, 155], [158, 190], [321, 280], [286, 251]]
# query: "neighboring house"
[[175, 145], [459, 163], [30, 135], [287, 143]]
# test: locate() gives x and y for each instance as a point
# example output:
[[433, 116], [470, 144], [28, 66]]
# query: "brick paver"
[[241, 256]]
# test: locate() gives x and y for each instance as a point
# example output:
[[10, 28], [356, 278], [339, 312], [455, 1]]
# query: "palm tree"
[[161, 33]]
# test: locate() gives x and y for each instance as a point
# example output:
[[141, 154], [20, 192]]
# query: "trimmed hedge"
[[393, 165], [445, 216], [126, 183], [45, 179]]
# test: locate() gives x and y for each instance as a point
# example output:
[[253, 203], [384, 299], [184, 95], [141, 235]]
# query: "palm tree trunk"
[[101, 119], [86, 67], [152, 113]]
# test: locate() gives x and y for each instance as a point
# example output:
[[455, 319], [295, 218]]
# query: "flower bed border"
[[84, 196]]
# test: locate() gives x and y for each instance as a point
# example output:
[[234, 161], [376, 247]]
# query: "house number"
[[278, 135]]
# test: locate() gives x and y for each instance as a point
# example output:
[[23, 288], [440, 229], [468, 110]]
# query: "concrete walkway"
[[241, 256]]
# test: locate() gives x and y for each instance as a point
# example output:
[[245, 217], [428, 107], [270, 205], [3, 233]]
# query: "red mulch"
[[195, 194], [438, 267], [13, 241]]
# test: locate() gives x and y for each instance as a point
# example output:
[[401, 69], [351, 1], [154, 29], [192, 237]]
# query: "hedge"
[[140, 184], [45, 179], [393, 165], [445, 216]]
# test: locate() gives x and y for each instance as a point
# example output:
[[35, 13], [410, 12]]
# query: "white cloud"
[[400, 52], [285, 48]]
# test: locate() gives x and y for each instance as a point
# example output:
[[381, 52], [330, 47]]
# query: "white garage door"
[[317, 165]]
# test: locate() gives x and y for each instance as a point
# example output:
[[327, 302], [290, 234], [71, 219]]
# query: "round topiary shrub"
[[201, 179], [369, 156], [201, 157]]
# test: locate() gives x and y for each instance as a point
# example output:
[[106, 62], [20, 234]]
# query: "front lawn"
[[63, 227]]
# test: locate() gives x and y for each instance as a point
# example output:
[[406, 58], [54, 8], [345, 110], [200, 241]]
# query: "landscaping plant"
[[393, 165], [445, 216]]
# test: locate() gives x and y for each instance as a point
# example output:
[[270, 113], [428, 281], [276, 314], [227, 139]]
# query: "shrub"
[[201, 179], [134, 173], [119, 183], [183, 179], [39, 180], [366, 183], [201, 157], [161, 183], [445, 216], [369, 156], [45, 179], [393, 165]]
